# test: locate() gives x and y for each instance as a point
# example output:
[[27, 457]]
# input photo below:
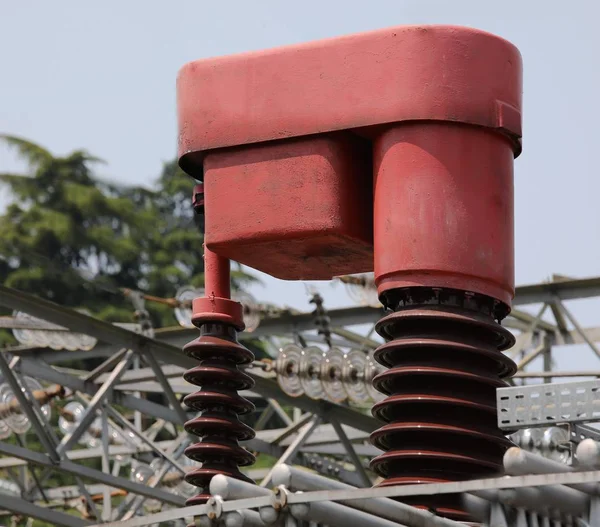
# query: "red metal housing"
[[431, 117], [444, 209], [295, 209], [390, 150]]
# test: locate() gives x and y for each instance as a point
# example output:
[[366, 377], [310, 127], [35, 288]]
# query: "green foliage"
[[63, 225], [76, 240]]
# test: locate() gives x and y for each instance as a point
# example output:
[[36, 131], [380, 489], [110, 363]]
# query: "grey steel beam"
[[286, 323], [177, 385], [168, 391], [31, 510], [338, 450], [45, 434], [90, 412], [150, 444], [107, 365], [555, 374], [289, 323], [325, 434], [564, 290], [131, 506], [41, 371], [72, 492], [570, 337], [279, 411], [268, 388], [169, 354], [301, 480], [89, 453], [145, 374], [543, 347], [561, 307], [366, 481], [35, 419], [428, 489], [78, 322], [69, 467], [533, 321], [323, 465], [293, 448], [264, 418], [57, 356]]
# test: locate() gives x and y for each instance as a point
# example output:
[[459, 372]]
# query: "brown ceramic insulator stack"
[[445, 361], [218, 426]]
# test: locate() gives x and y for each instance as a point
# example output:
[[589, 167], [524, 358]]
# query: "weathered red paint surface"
[[295, 209], [438, 110], [363, 80], [444, 209], [217, 305]]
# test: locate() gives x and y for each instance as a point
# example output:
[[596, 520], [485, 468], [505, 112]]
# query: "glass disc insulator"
[[18, 420], [555, 444], [5, 430], [287, 367], [372, 369], [71, 341], [353, 377], [185, 489], [23, 336], [72, 415], [331, 375], [531, 440], [250, 310], [183, 313], [515, 437], [310, 372]]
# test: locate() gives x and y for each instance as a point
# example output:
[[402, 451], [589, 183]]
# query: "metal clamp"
[[280, 497], [279, 501], [215, 507]]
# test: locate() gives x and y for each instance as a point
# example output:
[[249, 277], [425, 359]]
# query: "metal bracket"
[[542, 405], [580, 432], [331, 468]]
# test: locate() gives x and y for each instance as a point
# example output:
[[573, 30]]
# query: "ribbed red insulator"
[[219, 404], [445, 361]]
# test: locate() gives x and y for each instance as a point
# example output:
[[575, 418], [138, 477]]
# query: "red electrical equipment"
[[389, 151]]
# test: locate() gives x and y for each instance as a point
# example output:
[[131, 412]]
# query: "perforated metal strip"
[[547, 404]]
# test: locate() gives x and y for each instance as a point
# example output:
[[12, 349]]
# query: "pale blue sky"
[[101, 76]]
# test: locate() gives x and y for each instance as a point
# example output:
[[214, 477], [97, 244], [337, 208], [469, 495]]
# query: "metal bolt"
[[198, 198]]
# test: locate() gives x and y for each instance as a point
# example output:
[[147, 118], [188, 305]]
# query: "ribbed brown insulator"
[[219, 405], [444, 361]]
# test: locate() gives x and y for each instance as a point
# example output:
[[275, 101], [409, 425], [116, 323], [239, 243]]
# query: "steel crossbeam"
[[510, 482]]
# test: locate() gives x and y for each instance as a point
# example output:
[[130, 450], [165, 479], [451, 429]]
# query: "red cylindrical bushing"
[[443, 213]]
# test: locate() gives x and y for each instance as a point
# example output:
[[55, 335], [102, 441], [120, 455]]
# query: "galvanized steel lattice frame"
[[308, 440]]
